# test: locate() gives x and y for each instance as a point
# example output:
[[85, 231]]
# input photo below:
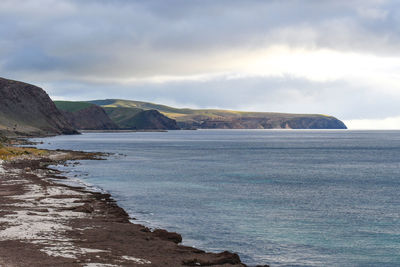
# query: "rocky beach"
[[44, 222]]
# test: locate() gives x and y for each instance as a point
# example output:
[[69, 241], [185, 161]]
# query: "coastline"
[[52, 223], [123, 131]]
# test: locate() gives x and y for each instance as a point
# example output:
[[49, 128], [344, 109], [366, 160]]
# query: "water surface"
[[286, 198]]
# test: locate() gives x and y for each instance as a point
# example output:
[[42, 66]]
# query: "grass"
[[115, 103], [186, 114], [72, 106], [10, 152], [122, 116]]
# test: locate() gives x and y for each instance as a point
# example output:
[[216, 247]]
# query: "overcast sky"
[[338, 57]]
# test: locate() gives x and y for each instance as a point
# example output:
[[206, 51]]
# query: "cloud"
[[343, 99], [336, 57], [123, 38], [391, 123]]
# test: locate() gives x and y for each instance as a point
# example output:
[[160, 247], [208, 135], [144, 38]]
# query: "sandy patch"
[[2, 171], [100, 265], [136, 260], [41, 217]]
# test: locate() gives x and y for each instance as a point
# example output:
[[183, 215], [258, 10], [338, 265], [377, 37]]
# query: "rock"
[[265, 121], [86, 208], [90, 118], [42, 210], [26, 109], [208, 259], [138, 119], [170, 236]]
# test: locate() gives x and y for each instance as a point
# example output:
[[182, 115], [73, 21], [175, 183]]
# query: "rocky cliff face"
[[228, 119], [90, 118], [154, 120], [27, 110], [138, 119], [284, 122]]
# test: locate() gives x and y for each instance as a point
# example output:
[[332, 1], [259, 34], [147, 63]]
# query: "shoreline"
[[124, 131], [53, 223]]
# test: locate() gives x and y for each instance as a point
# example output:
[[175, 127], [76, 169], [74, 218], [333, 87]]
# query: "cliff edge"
[[85, 116], [27, 110], [227, 119]]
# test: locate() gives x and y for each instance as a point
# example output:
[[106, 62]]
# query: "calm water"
[[285, 198]]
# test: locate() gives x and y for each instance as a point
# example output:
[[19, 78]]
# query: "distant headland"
[[27, 110]]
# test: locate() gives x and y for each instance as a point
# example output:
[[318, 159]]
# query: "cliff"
[[89, 116], [85, 116], [229, 119], [138, 119], [27, 110], [267, 122]]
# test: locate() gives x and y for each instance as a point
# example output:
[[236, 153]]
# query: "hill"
[[27, 110], [85, 116], [132, 118], [89, 116], [228, 119]]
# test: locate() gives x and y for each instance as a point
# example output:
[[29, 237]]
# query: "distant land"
[[27, 110], [89, 116], [225, 119]]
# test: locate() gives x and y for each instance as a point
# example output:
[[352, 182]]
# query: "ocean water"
[[278, 197]]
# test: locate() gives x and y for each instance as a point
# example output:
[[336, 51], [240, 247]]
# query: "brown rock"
[[86, 208], [26, 109], [225, 257], [170, 236], [90, 118]]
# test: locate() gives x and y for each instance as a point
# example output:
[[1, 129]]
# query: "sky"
[[333, 57]]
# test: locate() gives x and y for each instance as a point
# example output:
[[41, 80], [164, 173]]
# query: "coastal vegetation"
[[9, 152], [72, 106], [135, 118]]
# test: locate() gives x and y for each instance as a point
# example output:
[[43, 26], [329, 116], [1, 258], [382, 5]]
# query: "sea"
[[277, 197]]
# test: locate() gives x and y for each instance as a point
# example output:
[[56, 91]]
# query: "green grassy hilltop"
[[81, 114], [229, 119], [72, 106], [129, 114]]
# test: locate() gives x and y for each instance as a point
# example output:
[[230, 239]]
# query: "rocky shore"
[[46, 223]]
